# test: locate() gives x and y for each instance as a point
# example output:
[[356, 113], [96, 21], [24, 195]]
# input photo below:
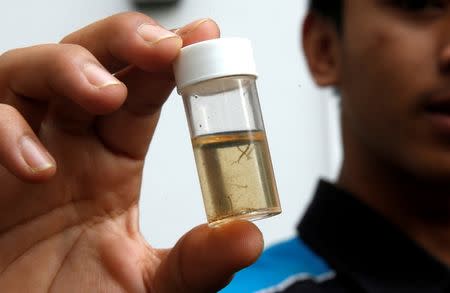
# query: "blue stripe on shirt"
[[277, 264]]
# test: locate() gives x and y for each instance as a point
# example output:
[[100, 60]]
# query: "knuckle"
[[122, 23], [67, 55], [70, 51], [131, 16]]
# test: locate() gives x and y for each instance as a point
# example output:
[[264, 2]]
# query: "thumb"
[[205, 259]]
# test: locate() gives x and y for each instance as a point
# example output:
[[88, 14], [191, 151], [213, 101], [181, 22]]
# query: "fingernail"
[[34, 155], [154, 34], [191, 27], [98, 76]]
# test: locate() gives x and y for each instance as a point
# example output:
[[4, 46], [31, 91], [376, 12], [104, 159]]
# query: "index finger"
[[128, 38]]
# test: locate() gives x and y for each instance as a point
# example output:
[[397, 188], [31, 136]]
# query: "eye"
[[418, 6]]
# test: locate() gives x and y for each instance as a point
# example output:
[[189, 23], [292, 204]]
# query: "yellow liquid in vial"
[[236, 176]]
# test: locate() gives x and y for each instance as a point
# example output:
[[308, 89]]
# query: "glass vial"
[[217, 81]]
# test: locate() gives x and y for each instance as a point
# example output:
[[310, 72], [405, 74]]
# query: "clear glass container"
[[230, 146]]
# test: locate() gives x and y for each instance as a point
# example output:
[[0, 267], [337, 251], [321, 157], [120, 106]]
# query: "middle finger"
[[128, 39]]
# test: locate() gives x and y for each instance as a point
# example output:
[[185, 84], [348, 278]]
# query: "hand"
[[73, 143]]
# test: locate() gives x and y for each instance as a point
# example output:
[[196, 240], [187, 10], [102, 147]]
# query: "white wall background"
[[297, 115]]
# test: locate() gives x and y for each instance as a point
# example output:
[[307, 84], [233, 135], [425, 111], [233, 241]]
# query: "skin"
[[70, 223], [390, 64]]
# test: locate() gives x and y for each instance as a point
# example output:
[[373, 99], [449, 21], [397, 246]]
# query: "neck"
[[419, 208]]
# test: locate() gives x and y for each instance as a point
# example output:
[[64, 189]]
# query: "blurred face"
[[394, 76]]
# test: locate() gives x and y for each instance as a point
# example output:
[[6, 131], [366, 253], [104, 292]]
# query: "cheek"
[[385, 69]]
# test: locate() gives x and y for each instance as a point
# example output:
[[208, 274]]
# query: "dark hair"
[[330, 9]]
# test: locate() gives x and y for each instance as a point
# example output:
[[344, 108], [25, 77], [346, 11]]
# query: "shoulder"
[[279, 267]]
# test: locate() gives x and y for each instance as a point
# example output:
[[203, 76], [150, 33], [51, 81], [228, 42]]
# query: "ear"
[[321, 47]]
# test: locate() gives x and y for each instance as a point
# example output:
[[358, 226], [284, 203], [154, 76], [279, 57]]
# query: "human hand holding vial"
[[217, 79]]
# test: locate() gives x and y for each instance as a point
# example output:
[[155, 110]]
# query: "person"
[[384, 226]]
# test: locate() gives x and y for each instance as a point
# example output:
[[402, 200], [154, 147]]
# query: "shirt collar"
[[363, 247]]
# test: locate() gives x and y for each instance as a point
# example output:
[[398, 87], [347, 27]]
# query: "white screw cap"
[[213, 59]]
